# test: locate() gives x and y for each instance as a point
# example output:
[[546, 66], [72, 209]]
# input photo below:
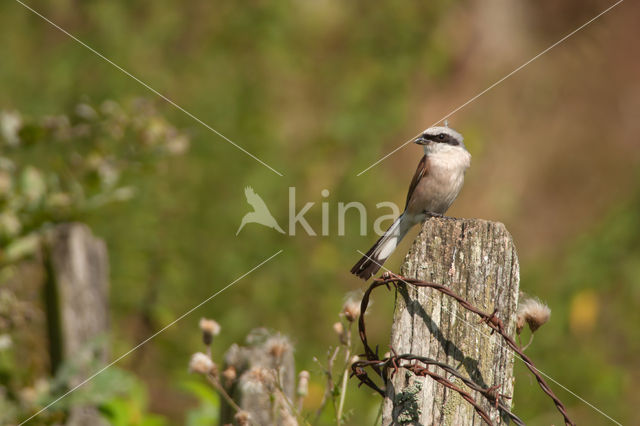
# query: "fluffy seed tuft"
[[201, 364], [277, 346], [338, 328], [258, 380], [209, 329], [229, 375], [351, 309], [303, 383], [532, 312], [242, 418]]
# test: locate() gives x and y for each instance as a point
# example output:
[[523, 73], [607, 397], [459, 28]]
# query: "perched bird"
[[260, 213], [435, 185]]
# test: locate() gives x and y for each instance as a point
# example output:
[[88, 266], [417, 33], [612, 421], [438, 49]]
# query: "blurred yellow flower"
[[314, 397], [584, 311]]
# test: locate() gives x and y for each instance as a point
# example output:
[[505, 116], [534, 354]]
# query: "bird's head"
[[439, 138]]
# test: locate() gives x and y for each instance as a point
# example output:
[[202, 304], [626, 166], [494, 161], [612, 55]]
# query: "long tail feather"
[[371, 262]]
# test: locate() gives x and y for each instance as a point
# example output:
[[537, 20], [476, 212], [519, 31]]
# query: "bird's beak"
[[421, 140]]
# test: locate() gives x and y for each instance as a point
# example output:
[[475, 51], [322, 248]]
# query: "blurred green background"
[[320, 90]]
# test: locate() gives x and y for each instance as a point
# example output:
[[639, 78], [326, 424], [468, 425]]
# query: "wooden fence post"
[[76, 299], [478, 261]]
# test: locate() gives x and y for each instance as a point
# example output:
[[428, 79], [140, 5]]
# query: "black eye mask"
[[442, 138]]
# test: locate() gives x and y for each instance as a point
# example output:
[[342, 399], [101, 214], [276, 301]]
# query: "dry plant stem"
[[216, 384], [329, 389], [274, 408], [296, 413], [343, 389], [289, 404], [345, 376], [524, 348], [299, 403]]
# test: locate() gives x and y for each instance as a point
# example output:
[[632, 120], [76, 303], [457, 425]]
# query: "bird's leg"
[[437, 215]]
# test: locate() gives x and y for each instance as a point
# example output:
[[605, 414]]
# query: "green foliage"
[[118, 394], [57, 168], [208, 410], [131, 408], [319, 90], [588, 341]]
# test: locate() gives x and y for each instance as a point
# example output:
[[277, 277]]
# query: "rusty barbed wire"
[[373, 361], [381, 366], [394, 363]]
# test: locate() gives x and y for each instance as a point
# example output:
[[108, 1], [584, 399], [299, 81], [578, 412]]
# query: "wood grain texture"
[[77, 298], [477, 259]]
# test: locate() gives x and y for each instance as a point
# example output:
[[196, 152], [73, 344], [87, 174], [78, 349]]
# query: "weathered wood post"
[[477, 260], [76, 299]]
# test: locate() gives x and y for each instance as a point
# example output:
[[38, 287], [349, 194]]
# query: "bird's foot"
[[438, 215]]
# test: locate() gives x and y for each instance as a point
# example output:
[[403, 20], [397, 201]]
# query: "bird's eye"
[[441, 136]]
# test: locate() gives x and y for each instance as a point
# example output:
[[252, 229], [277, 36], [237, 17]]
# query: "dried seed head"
[[351, 309], [242, 418], [210, 326], [338, 328], [532, 312], [229, 375], [201, 364], [209, 329], [257, 380], [303, 383], [277, 346]]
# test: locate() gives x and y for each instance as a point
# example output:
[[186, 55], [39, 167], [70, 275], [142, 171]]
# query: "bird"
[[435, 185], [260, 213]]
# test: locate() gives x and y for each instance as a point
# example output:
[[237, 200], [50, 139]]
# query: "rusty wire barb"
[[413, 362], [394, 362]]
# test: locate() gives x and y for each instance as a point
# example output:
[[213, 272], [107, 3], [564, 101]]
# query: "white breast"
[[445, 175], [449, 162]]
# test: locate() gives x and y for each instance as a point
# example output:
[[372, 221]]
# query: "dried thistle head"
[[277, 346], [351, 309], [209, 329], [338, 328], [532, 312], [303, 383], [258, 380], [229, 374], [242, 418], [201, 364]]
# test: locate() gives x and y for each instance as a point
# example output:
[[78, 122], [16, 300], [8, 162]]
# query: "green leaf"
[[32, 184], [21, 248], [208, 412]]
